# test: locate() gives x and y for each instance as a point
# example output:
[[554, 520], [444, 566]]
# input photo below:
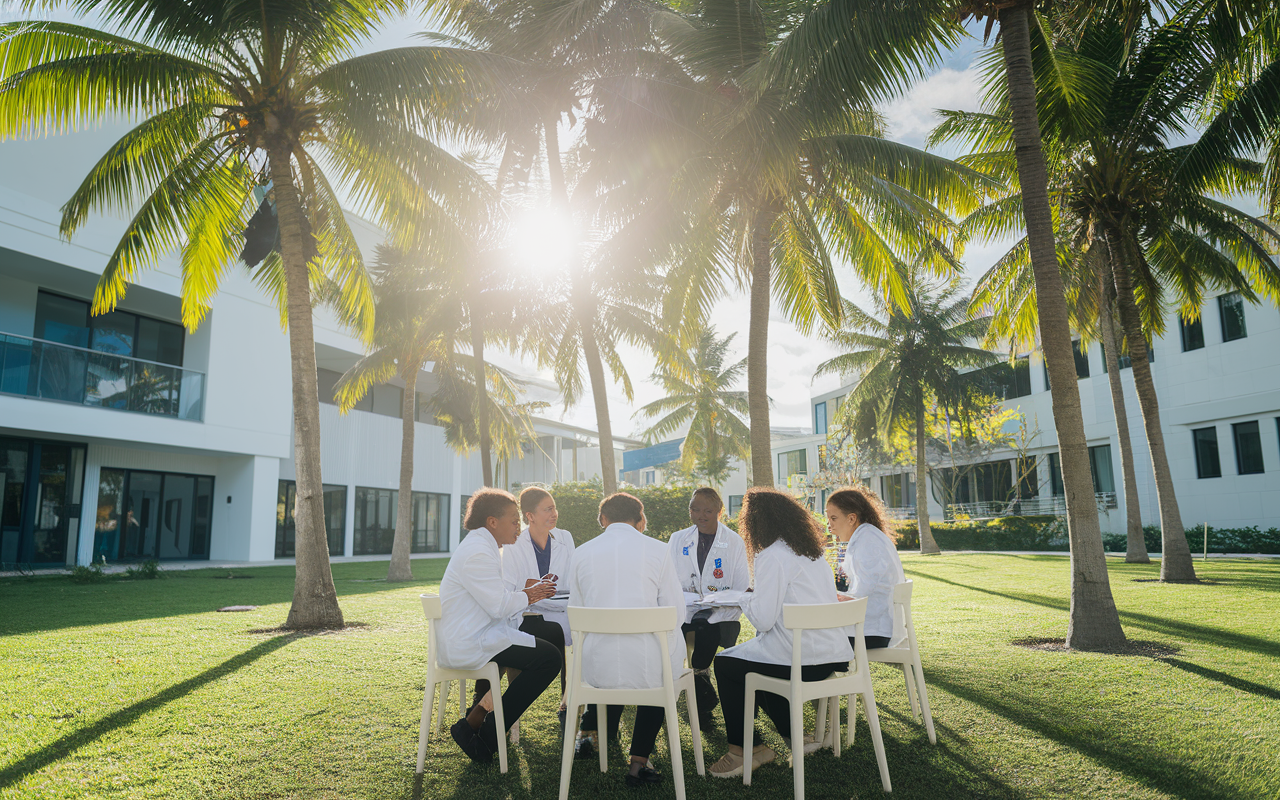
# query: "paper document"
[[729, 597], [692, 599]]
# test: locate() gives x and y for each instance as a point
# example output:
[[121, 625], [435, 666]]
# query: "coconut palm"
[[701, 400], [800, 175], [903, 358], [1162, 231], [232, 95]]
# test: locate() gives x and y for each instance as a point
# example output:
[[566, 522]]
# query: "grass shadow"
[[1224, 678], [70, 743]]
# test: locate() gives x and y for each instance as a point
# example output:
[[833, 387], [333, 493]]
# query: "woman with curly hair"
[[855, 515], [787, 546]]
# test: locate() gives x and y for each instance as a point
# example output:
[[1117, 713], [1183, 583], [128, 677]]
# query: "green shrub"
[[665, 507], [147, 570], [90, 574], [1221, 540], [1002, 533]]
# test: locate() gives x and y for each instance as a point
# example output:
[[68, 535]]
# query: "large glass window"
[[1104, 479], [1192, 333], [41, 485], [1124, 360], [1231, 312], [375, 524], [898, 491], [387, 400], [735, 504], [67, 321], [335, 518], [820, 418], [1028, 484], [1056, 486], [146, 515], [994, 481], [1206, 445], [1248, 441], [791, 463], [1007, 381], [951, 485]]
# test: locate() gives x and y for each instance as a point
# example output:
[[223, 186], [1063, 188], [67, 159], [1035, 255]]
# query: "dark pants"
[[731, 674], [538, 666], [708, 637], [873, 642], [643, 736], [539, 628]]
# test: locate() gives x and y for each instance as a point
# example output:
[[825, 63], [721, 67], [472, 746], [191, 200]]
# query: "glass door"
[[13, 490], [40, 487]]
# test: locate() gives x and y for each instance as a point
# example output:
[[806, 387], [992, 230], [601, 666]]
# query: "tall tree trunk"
[[315, 602], [758, 350], [1175, 558], [1135, 544], [482, 393], [599, 393], [400, 568], [927, 545], [1093, 622]]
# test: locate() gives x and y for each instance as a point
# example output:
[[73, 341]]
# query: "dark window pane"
[[114, 333], [1082, 360], [1248, 440], [1206, 446], [202, 519], [160, 341], [1006, 381], [326, 379], [1100, 465], [285, 495], [1028, 484], [1231, 311], [1055, 476], [335, 518], [175, 519], [375, 521], [820, 418], [1192, 334], [62, 320], [387, 400], [994, 482]]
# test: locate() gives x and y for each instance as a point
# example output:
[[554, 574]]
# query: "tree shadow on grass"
[[1065, 726], [1169, 627], [70, 743], [1224, 678]]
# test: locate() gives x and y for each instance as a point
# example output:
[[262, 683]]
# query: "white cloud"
[[914, 115]]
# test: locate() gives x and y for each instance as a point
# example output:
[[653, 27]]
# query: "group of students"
[[503, 599]]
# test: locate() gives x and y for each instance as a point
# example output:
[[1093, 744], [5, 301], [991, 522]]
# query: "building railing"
[[51, 371], [1031, 507]]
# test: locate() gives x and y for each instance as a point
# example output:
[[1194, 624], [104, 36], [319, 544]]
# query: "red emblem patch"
[[719, 573]]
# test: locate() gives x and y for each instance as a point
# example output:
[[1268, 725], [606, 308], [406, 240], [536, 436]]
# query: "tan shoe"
[[730, 765]]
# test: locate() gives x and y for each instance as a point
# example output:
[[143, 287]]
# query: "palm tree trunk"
[[1135, 544], [1093, 622], [1175, 558], [482, 394], [315, 602], [599, 393], [758, 350], [400, 568], [927, 545]]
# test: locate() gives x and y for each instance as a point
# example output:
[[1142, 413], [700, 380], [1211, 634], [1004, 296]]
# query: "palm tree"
[[702, 401], [903, 358], [800, 173], [1119, 188], [232, 95], [1093, 622]]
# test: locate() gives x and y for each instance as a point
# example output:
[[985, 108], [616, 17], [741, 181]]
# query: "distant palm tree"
[[902, 358], [233, 95], [701, 400]]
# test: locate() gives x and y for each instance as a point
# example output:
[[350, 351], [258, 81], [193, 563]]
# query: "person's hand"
[[843, 598], [531, 582], [539, 591]]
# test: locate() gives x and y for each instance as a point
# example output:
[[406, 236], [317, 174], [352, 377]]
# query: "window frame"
[[1185, 331], [1232, 299], [1237, 428], [1201, 456]]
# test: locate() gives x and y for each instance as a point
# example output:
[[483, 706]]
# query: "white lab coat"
[[623, 568], [872, 565], [728, 554], [480, 617], [784, 578], [520, 563]]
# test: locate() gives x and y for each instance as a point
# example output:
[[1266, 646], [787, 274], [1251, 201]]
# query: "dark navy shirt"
[[543, 556]]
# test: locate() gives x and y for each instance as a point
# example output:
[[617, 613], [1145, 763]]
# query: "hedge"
[[665, 507], [1042, 533], [1221, 540]]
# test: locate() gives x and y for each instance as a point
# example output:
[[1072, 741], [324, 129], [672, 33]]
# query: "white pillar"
[[455, 505]]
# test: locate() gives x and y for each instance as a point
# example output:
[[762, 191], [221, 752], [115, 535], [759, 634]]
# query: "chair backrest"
[[902, 593], [623, 620], [431, 609], [825, 615]]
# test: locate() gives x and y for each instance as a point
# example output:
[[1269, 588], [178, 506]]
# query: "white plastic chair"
[[906, 654], [857, 681], [437, 675], [659, 622]]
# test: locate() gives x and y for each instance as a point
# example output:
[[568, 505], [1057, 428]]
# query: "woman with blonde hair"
[[855, 515]]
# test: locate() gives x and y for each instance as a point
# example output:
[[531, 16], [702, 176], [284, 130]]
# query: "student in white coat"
[[871, 563], [709, 557], [788, 547], [543, 553], [480, 618], [623, 568]]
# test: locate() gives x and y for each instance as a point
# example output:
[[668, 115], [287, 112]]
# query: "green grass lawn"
[[138, 689]]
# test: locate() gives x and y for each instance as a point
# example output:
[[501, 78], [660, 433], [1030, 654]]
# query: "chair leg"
[[691, 703], [853, 720], [820, 720], [835, 726], [443, 689], [495, 686], [909, 677], [428, 705], [873, 722], [797, 748], [748, 726], [673, 742], [924, 703], [602, 735], [566, 754]]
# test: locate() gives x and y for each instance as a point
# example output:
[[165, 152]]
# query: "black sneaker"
[[470, 742], [584, 749], [647, 777]]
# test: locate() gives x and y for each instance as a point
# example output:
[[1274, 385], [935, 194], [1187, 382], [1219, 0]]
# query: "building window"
[[387, 400], [650, 477], [1192, 333], [735, 504], [794, 462], [1082, 359], [951, 485], [1206, 445], [1056, 486], [119, 333], [898, 491], [1231, 312], [1007, 381], [335, 518], [1124, 360], [820, 418], [1248, 441], [993, 481], [375, 525], [1028, 485], [152, 515], [1104, 479]]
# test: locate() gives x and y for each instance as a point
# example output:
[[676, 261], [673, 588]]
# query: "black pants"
[[708, 637], [873, 642], [643, 736], [537, 626], [731, 674], [538, 666]]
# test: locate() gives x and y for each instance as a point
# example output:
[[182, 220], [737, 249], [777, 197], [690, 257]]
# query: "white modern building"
[[1218, 383], [125, 437]]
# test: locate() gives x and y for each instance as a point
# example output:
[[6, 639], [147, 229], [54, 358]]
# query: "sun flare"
[[543, 241]]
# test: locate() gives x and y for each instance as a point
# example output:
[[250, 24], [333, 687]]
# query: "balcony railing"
[[1032, 507], [51, 371]]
